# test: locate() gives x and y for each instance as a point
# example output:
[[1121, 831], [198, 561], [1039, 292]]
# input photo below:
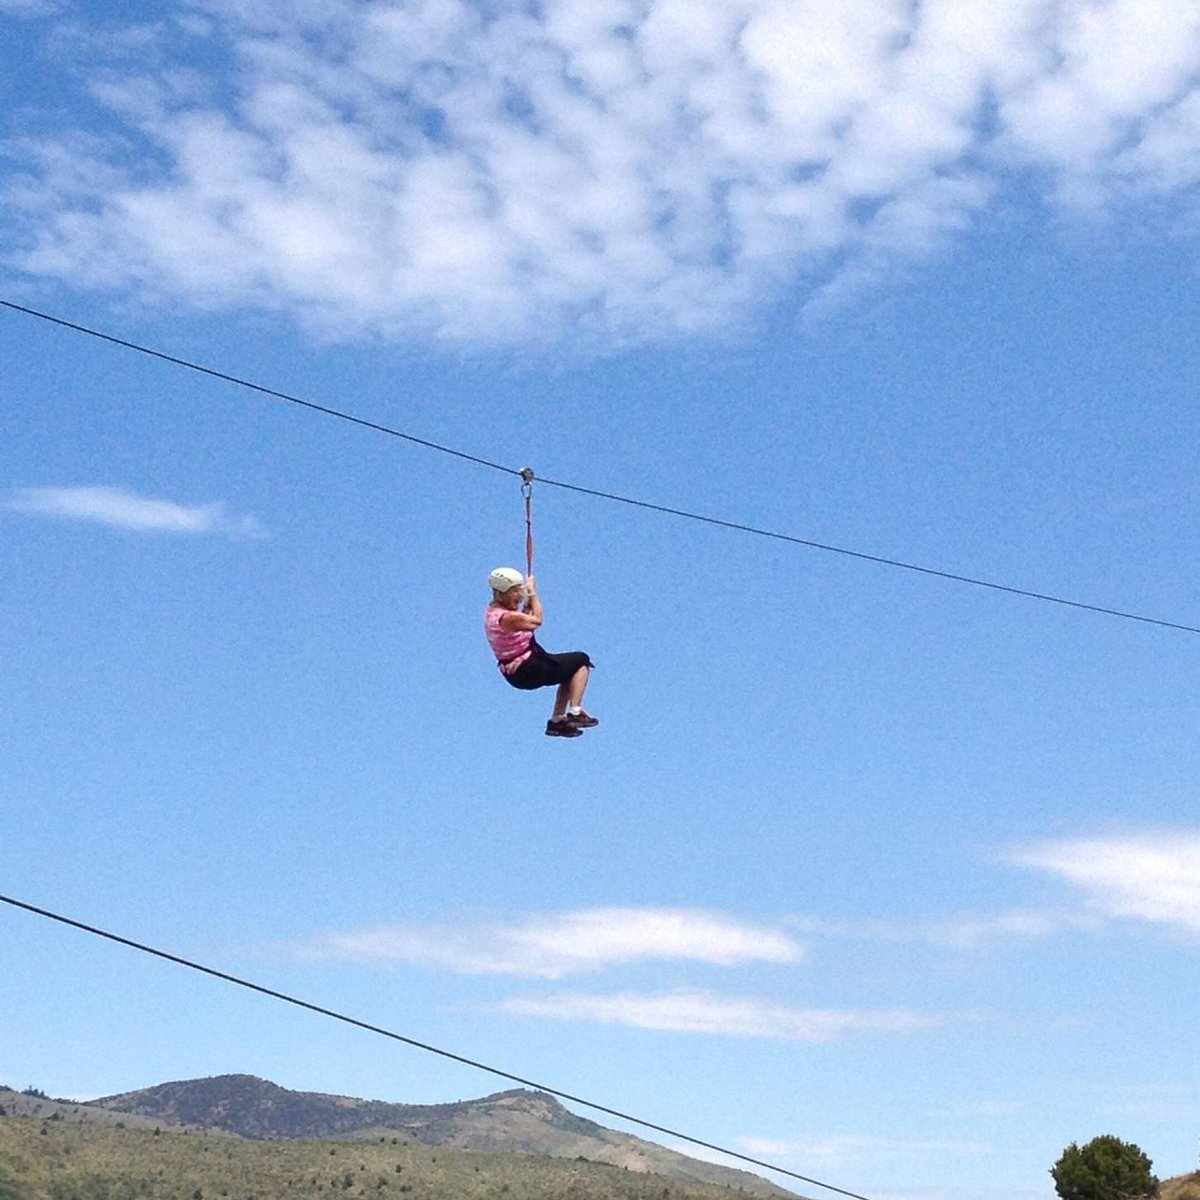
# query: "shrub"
[[1106, 1168]]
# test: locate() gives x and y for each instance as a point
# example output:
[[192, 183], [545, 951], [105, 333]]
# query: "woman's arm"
[[519, 622], [531, 618]]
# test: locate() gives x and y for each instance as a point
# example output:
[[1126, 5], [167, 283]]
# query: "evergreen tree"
[[1104, 1169]]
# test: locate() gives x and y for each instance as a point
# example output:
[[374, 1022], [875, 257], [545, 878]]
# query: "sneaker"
[[583, 720], [563, 729]]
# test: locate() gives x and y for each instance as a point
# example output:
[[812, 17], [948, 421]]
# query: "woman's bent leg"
[[570, 693], [576, 686]]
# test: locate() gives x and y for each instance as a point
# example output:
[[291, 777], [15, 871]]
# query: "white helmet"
[[504, 579]]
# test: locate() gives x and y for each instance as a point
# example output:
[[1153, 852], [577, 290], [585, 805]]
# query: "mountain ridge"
[[520, 1120]]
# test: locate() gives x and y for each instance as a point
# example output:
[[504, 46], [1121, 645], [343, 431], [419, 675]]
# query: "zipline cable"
[[863, 556], [397, 1037], [685, 514], [257, 387]]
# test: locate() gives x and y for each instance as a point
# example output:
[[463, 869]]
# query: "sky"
[[891, 880]]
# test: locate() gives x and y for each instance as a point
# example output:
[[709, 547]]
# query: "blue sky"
[[893, 881]]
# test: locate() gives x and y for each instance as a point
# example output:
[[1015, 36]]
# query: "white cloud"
[[705, 1154], [997, 1108], [1124, 65], [1170, 151], [842, 1149], [620, 170], [1152, 877], [29, 8], [1179, 1102], [764, 1147], [692, 1011], [124, 510], [567, 943], [962, 931]]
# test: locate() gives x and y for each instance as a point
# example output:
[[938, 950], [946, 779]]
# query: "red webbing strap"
[[527, 492]]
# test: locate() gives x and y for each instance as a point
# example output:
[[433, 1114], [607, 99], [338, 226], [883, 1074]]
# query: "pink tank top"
[[511, 648]]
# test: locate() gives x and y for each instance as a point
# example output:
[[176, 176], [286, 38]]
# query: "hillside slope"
[[1182, 1187], [528, 1122], [74, 1161]]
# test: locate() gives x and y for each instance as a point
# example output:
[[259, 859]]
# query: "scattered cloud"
[[1152, 877], [693, 1011], [29, 8], [963, 931], [566, 943], [124, 510], [1161, 1101], [623, 169], [705, 1153], [848, 1148], [997, 1108], [762, 1147]]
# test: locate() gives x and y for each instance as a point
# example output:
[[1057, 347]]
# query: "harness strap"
[[518, 660], [527, 492]]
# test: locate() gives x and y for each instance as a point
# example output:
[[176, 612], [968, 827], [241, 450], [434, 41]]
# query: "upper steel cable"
[[874, 558], [258, 387], [736, 526], [397, 1037]]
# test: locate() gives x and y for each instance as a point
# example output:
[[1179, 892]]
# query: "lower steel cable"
[[408, 1041]]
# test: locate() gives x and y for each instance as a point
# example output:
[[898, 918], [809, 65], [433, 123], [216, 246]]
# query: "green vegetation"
[[10, 1188], [67, 1161], [518, 1121], [1106, 1168]]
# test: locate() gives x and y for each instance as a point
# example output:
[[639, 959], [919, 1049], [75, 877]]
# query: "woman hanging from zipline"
[[510, 621]]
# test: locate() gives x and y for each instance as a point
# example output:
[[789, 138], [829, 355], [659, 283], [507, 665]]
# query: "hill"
[[64, 1160], [33, 1105], [69, 1150], [1182, 1187], [526, 1122]]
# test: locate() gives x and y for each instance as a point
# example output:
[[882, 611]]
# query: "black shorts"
[[543, 669]]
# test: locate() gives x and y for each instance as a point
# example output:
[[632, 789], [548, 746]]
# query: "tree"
[[1104, 1169]]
